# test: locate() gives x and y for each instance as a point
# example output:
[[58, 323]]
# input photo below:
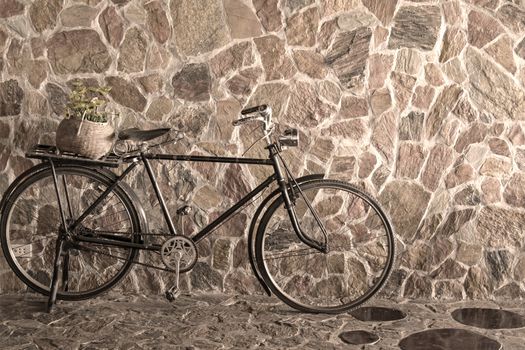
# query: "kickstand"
[[54, 278]]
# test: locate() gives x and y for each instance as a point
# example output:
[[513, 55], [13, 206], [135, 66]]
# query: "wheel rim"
[[31, 229], [358, 263]]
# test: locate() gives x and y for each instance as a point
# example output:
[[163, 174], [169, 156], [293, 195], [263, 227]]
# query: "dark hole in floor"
[[377, 314], [448, 339], [359, 337], [488, 318]]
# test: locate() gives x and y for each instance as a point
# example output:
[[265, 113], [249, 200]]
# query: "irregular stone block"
[[467, 196], [200, 26], [382, 136], [514, 193], [11, 97], [403, 87], [353, 107], [159, 108], [411, 126], [469, 254], [221, 254], [433, 75], [498, 264], [57, 98], [242, 21], [77, 51], [491, 190], [44, 13], [416, 27], [326, 34], [352, 129], [277, 65], [406, 203], [453, 42], [112, 26], [450, 269], [501, 51], [269, 13], [439, 159], [310, 63], [408, 61], [151, 83], [126, 94], [305, 108], [410, 159], [379, 66], [78, 16], [491, 89], [355, 19], [243, 83], [380, 101], [383, 10], [301, 28], [459, 175], [133, 51], [330, 7], [10, 8], [231, 59], [512, 16], [445, 102], [157, 21], [476, 133], [423, 96], [500, 227], [348, 56], [192, 82], [482, 28], [367, 162], [203, 277]]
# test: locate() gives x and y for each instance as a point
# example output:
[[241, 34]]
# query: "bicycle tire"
[[271, 271], [35, 176]]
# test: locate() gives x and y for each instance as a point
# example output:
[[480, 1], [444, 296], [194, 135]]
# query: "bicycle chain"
[[124, 259], [82, 247]]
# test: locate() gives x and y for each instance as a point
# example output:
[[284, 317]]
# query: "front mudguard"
[[253, 225]]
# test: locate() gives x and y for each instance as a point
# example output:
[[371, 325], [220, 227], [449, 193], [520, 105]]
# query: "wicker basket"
[[93, 141]]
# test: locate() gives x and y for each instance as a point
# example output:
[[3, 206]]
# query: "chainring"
[[179, 246]]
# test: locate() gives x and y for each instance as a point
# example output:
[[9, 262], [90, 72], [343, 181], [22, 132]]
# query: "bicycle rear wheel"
[[360, 248], [29, 229]]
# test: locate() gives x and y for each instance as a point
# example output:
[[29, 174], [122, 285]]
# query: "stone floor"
[[211, 321]]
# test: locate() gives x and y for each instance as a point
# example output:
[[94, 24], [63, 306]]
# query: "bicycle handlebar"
[[242, 120], [251, 110]]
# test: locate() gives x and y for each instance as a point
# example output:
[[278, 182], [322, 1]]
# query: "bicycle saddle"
[[135, 134]]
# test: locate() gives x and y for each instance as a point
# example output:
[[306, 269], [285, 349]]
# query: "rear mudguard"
[[253, 224], [103, 171]]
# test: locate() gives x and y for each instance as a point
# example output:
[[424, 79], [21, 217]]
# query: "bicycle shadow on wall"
[[71, 228]]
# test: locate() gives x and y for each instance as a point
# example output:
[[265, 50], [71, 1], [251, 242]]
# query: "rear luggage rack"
[[47, 152]]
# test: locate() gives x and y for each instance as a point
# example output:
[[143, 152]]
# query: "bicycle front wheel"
[[31, 220], [360, 245]]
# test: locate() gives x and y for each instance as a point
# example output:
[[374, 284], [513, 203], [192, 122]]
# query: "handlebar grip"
[[250, 110], [240, 121]]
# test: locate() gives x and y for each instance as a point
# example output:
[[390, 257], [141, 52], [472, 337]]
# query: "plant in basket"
[[85, 130]]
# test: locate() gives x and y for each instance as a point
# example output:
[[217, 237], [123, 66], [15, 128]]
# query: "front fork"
[[290, 205]]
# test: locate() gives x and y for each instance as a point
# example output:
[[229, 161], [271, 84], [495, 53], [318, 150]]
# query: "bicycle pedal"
[[171, 296]]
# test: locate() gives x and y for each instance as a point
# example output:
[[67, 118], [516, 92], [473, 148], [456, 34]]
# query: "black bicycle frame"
[[146, 157]]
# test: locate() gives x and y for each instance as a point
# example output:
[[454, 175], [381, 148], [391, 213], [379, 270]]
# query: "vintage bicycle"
[[71, 228]]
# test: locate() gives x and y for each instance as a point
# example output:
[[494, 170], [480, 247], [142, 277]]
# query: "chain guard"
[[179, 245]]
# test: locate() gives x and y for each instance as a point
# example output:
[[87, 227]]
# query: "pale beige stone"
[[379, 65]]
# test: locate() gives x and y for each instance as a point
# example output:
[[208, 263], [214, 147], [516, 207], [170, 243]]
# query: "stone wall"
[[419, 102]]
